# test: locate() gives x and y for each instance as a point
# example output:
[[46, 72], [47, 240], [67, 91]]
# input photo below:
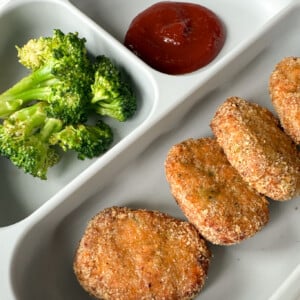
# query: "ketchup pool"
[[176, 37]]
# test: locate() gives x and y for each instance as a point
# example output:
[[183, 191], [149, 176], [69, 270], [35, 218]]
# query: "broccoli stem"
[[51, 126], [35, 86], [29, 120]]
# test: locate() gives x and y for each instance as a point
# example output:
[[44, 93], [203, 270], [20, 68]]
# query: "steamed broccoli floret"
[[29, 138], [24, 140], [61, 75], [87, 140], [35, 52], [111, 95]]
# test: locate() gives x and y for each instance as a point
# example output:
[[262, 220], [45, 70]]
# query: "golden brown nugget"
[[212, 194], [139, 254], [284, 91], [255, 145]]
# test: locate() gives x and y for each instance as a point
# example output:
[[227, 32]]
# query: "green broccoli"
[[36, 52], [24, 140], [61, 75], [112, 95], [87, 140], [30, 139], [48, 109]]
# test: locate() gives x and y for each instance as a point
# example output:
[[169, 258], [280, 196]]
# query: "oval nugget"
[[212, 194], [256, 146], [140, 254], [285, 95]]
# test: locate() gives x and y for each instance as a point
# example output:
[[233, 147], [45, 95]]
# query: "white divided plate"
[[290, 289], [42, 221]]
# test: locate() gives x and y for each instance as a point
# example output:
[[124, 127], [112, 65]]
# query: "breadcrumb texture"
[[212, 194], [255, 145], [141, 254], [284, 87]]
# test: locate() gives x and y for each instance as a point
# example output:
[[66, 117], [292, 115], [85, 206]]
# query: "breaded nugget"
[[212, 194], [284, 90], [255, 145], [140, 254]]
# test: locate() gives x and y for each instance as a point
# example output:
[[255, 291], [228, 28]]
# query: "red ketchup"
[[176, 37]]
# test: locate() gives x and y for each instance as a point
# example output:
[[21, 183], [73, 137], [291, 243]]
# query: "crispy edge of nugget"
[[255, 145], [212, 194], [284, 92], [140, 254]]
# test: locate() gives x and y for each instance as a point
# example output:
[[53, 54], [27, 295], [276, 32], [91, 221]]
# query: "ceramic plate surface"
[[42, 221]]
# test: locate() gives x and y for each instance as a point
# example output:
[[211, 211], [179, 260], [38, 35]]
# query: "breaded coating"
[[128, 254], [212, 194], [284, 88], [255, 145]]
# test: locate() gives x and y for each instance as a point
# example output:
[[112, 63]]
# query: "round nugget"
[[212, 194], [139, 254], [285, 95], [255, 145]]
